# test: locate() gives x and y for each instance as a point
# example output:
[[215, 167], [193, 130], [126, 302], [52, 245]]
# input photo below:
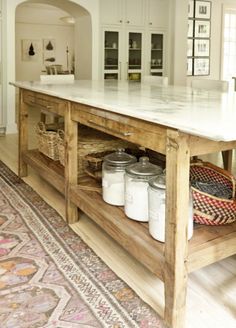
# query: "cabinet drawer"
[[29, 97], [43, 102], [127, 128]]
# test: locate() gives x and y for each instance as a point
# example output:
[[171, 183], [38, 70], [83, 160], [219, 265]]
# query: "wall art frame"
[[31, 50], [202, 9], [199, 33], [49, 51]]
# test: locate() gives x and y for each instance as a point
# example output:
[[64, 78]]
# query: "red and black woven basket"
[[208, 209]]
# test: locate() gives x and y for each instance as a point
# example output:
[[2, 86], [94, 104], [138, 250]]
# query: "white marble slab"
[[209, 114]]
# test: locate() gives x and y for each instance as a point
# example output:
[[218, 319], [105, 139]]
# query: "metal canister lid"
[[143, 168], [119, 158], [159, 182]]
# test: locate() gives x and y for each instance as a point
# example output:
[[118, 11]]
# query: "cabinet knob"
[[150, 23], [120, 21], [128, 22]]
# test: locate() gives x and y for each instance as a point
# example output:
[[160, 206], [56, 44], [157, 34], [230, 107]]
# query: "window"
[[229, 45]]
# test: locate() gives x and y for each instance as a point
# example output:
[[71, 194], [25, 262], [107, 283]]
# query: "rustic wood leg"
[[71, 140], [22, 135], [227, 156], [177, 200]]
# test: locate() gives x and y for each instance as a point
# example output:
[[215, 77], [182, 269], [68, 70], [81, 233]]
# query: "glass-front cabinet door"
[[111, 55], [156, 56], [134, 63]]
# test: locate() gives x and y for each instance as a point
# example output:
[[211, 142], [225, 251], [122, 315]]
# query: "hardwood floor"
[[211, 299]]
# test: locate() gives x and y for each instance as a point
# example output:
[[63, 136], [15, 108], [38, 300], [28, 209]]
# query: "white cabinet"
[[155, 55], [111, 12], [157, 13], [122, 54], [122, 12], [133, 41], [112, 56], [134, 12]]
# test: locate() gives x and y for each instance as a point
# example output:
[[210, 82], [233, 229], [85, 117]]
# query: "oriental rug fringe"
[[49, 277]]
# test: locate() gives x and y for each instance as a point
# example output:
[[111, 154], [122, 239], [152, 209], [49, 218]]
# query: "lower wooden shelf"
[[209, 244]]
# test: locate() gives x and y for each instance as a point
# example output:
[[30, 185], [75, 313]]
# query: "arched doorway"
[[86, 14]]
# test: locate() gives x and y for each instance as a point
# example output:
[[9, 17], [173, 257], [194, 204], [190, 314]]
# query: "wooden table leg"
[[227, 156], [22, 135], [71, 165], [177, 205]]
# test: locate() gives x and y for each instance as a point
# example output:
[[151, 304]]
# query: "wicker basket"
[[90, 141], [47, 140], [209, 209]]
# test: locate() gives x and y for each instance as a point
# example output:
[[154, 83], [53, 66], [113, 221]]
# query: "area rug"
[[49, 277]]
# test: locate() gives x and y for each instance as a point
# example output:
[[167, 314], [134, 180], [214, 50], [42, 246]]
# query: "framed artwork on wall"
[[30, 49], [199, 33], [203, 9], [202, 47], [201, 66], [190, 48], [49, 51], [190, 8], [190, 66], [202, 29], [190, 28]]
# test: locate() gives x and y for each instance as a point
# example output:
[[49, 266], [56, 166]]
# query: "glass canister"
[[113, 171], [156, 209], [136, 188]]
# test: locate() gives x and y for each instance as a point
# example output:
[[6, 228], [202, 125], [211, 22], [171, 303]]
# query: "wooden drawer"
[[29, 97], [121, 126], [45, 103]]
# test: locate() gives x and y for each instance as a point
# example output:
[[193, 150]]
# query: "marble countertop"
[[209, 114]]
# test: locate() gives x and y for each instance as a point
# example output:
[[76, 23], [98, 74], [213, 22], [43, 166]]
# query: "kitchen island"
[[176, 121]]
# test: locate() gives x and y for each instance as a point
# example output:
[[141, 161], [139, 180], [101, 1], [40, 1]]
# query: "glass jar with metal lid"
[[113, 171], [156, 208], [136, 188]]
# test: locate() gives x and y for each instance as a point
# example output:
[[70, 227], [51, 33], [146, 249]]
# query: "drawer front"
[[120, 126], [29, 97], [45, 103]]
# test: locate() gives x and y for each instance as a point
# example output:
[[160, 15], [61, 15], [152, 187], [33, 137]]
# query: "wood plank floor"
[[211, 298]]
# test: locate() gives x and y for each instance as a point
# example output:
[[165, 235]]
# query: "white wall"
[[33, 23], [177, 50], [89, 7], [83, 48]]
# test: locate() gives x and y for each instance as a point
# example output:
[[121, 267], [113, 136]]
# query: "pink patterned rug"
[[49, 277]]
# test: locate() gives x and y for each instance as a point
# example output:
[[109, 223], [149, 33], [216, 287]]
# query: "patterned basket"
[[90, 141], [209, 209], [47, 140]]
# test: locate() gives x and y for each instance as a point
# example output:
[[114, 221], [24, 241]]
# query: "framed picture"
[[202, 47], [190, 8], [201, 66], [30, 49], [190, 28], [49, 53], [202, 29], [190, 66], [190, 48], [202, 9]]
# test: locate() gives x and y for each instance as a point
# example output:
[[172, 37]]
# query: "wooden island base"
[[172, 261]]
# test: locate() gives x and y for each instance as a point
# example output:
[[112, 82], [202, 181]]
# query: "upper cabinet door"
[[158, 13], [111, 12], [134, 12]]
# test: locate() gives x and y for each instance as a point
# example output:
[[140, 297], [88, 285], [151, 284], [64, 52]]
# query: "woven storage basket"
[[47, 139], [89, 141], [209, 209]]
